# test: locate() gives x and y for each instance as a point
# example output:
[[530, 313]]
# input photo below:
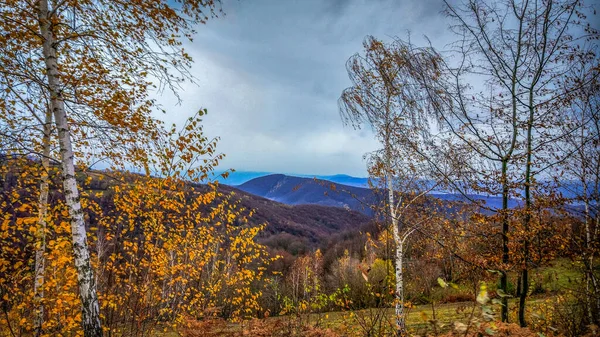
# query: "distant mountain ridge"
[[293, 190], [345, 179], [569, 189], [301, 191], [240, 177], [353, 193]]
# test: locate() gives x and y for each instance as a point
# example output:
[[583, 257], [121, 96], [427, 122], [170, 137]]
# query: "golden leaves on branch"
[[163, 248]]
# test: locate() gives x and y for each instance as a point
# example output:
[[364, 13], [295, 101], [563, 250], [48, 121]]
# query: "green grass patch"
[[551, 280]]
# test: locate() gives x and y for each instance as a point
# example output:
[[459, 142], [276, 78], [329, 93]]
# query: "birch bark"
[[40, 260], [85, 276]]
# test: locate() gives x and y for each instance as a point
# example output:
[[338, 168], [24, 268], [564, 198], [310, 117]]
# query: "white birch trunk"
[[399, 310], [400, 316], [38, 286], [87, 284]]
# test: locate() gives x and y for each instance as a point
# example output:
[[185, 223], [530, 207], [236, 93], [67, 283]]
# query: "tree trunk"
[[87, 284], [588, 265], [400, 319], [38, 286], [527, 220], [504, 276], [594, 280], [523, 297]]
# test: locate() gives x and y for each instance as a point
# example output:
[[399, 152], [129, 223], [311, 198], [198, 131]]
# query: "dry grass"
[[423, 320]]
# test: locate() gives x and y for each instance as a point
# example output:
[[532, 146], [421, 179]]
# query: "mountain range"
[[353, 192], [302, 191], [568, 188], [235, 178], [293, 190], [298, 229]]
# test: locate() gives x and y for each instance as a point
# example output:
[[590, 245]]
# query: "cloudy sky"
[[270, 74]]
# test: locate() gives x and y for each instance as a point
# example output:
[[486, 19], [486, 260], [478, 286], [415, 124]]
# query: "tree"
[[582, 169], [166, 249], [523, 48], [385, 96], [95, 61], [38, 289], [21, 131], [500, 139], [175, 249]]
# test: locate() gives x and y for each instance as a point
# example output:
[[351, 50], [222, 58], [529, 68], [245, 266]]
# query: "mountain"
[[290, 229], [298, 191], [298, 229], [239, 177], [301, 191], [490, 202]]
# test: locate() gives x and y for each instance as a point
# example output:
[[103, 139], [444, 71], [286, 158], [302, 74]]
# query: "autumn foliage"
[[162, 248], [152, 243]]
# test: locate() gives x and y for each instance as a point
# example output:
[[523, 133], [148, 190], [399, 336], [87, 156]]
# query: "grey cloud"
[[270, 74]]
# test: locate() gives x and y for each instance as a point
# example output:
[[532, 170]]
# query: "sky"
[[270, 74]]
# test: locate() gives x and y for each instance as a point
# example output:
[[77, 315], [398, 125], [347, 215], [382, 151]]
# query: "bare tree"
[[386, 97], [512, 53], [582, 170]]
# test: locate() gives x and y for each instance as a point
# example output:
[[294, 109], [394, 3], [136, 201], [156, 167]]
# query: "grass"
[[559, 275], [419, 318], [548, 281], [354, 323]]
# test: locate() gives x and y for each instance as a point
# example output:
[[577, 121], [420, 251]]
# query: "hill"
[[297, 228], [290, 229], [300, 191], [294, 190]]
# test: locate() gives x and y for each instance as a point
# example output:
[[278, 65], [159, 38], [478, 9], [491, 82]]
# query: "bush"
[[495, 329], [563, 314], [460, 297]]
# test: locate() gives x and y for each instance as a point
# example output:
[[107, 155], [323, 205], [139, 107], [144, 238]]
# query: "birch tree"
[[27, 131], [385, 97], [97, 62], [40, 259], [85, 277]]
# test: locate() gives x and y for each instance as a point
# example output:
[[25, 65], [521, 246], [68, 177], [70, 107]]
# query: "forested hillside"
[[298, 191]]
